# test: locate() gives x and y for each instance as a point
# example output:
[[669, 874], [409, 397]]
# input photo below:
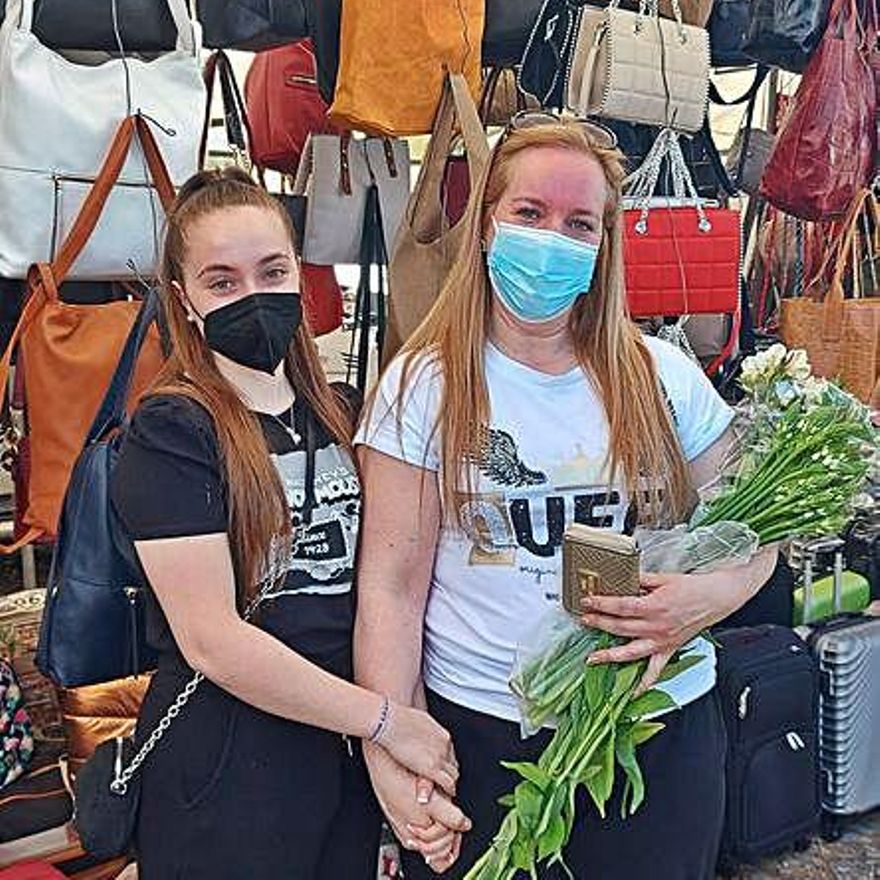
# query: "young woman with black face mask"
[[237, 485]]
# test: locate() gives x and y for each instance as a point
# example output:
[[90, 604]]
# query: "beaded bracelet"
[[382, 724]]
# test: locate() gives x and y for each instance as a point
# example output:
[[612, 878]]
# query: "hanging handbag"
[[842, 334], [728, 26], [107, 788], [56, 119], [323, 17], [284, 105], [638, 67], [144, 25], [93, 628], [427, 244], [506, 30], [251, 25], [396, 91], [680, 256], [68, 352], [332, 180], [824, 152], [787, 34]]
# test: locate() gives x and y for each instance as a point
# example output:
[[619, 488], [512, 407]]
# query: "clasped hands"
[[421, 813]]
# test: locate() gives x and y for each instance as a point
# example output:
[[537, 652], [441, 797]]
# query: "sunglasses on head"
[[604, 137]]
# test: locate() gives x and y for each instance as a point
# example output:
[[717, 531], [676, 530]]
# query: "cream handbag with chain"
[[639, 67]]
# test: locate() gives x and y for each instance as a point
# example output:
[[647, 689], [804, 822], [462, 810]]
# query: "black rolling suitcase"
[[769, 690]]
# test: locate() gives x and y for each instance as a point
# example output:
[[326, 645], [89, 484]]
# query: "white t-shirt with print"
[[542, 469]]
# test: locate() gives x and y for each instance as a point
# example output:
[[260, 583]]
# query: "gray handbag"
[[748, 157], [334, 174]]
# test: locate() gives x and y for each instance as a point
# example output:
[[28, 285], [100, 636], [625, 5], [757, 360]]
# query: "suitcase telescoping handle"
[[811, 551]]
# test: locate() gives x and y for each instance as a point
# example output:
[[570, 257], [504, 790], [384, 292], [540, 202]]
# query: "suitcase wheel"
[[832, 829]]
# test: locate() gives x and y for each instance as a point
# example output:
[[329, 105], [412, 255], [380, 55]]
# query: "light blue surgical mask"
[[539, 273]]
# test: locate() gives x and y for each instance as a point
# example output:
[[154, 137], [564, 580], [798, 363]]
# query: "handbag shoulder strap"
[[91, 209], [456, 102], [750, 94], [111, 413]]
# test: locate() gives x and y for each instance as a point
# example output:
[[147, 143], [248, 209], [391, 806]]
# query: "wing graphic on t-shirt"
[[499, 460]]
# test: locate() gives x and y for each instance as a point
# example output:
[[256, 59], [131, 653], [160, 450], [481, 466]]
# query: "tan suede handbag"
[[639, 67], [427, 243]]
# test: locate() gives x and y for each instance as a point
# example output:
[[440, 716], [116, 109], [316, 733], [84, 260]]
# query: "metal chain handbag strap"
[[122, 776]]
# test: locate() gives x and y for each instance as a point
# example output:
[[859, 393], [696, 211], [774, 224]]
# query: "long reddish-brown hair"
[[259, 517], [644, 450]]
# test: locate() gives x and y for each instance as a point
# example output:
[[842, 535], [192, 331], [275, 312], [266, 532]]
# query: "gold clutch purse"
[[596, 561]]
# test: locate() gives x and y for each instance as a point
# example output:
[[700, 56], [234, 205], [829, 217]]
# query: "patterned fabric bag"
[[16, 737]]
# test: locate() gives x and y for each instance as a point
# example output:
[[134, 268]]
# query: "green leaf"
[[596, 679], [532, 772], [528, 798], [648, 703], [626, 678], [552, 839], [523, 852], [677, 667], [625, 751], [507, 800], [644, 730], [600, 783]]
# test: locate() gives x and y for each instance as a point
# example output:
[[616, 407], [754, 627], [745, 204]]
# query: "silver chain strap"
[[121, 778], [641, 185]]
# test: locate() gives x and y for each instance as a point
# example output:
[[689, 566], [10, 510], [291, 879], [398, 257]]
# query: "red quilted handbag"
[[284, 105], [675, 264], [824, 154]]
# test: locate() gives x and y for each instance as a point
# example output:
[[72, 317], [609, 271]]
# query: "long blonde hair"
[[259, 516], [643, 445]]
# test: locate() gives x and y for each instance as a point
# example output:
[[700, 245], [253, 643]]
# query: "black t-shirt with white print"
[[168, 482]]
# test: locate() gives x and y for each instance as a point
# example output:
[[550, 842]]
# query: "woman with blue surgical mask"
[[528, 400]]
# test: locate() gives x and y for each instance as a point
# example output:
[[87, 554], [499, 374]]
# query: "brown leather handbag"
[[824, 153], [842, 334], [68, 352]]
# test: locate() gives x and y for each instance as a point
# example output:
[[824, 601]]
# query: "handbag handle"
[[750, 94], [845, 252], [111, 413], [425, 209], [91, 209]]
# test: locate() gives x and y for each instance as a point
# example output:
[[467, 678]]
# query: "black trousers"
[[674, 835], [232, 793]]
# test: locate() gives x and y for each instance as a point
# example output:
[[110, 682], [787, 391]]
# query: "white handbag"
[[57, 120], [639, 67], [334, 174]]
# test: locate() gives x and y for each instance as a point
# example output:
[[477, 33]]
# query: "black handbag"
[[93, 622], [324, 18], [144, 25], [252, 25], [506, 30], [728, 26], [544, 64], [785, 34]]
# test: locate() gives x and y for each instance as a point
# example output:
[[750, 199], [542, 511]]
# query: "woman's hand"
[[422, 746], [428, 823], [675, 608]]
